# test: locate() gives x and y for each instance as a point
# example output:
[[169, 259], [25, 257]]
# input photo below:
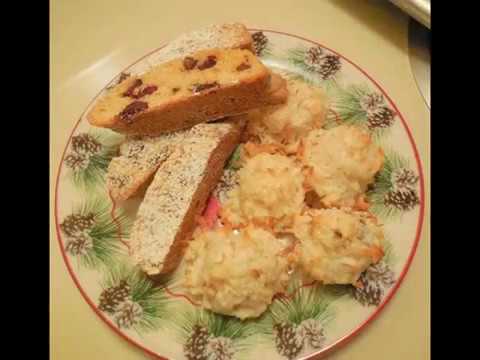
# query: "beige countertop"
[[92, 41]]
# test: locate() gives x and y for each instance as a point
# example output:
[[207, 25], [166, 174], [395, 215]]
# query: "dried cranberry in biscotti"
[[131, 89], [148, 90], [137, 91], [243, 66], [189, 63], [209, 62], [131, 110], [202, 87]]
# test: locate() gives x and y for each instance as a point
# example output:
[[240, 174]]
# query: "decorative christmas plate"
[[309, 319]]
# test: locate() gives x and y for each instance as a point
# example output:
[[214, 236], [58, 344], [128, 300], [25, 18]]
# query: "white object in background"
[[419, 54], [418, 9]]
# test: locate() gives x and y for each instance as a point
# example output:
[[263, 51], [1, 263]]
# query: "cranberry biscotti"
[[208, 85]]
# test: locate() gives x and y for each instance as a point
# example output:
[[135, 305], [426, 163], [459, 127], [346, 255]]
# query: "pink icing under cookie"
[[210, 215]]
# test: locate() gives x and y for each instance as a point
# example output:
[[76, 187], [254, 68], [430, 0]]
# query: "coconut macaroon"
[[337, 245], [342, 163], [286, 124], [236, 272], [269, 192]]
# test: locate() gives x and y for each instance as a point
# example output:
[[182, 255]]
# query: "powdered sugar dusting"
[[168, 198], [231, 35], [141, 156]]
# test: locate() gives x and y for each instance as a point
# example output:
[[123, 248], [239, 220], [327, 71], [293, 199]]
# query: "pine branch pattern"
[[92, 235], [395, 190], [320, 66], [206, 335], [360, 106], [132, 300], [88, 157], [297, 322]]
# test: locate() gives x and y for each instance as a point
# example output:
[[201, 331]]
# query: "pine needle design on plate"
[[395, 190], [91, 235], [360, 106], [88, 157], [261, 44], [230, 177], [297, 323], [206, 335], [321, 67], [234, 162], [132, 300]]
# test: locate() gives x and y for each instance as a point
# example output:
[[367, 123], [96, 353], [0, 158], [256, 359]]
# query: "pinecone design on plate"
[[196, 346], [83, 147], [79, 243], [288, 340], [128, 314], [260, 42], [311, 331], [220, 348], [378, 114], [372, 101], [313, 56], [85, 144], [381, 117], [76, 227], [112, 297], [372, 284], [77, 162], [327, 65], [403, 199], [404, 178], [77, 223], [403, 195]]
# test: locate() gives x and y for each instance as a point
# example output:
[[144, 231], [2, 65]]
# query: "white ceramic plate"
[[309, 319]]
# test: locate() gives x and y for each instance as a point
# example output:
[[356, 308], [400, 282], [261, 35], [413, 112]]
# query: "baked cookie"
[[285, 124], [236, 272], [341, 163], [269, 192], [337, 245]]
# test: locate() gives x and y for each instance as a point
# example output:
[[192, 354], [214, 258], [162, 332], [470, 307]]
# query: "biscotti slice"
[[141, 156], [220, 36], [181, 93], [177, 195]]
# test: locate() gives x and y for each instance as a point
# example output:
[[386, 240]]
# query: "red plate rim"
[[343, 339]]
